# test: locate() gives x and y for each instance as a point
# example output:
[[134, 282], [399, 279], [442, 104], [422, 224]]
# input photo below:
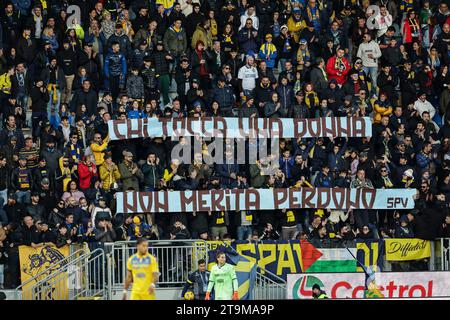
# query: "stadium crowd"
[[64, 77]]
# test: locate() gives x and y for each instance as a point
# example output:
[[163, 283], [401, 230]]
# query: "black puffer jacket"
[[160, 62], [39, 100]]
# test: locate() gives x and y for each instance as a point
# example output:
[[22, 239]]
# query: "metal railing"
[[444, 256], [268, 286], [21, 291], [82, 278], [176, 259]]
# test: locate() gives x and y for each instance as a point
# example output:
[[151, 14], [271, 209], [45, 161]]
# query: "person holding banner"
[[142, 272], [223, 280]]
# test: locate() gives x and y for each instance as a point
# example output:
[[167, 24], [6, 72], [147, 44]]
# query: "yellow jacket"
[[109, 175], [167, 175], [214, 28], [167, 4], [204, 36], [295, 28], [5, 83], [66, 173], [381, 111], [97, 150]]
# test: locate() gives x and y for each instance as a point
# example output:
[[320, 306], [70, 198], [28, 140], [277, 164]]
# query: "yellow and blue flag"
[[245, 269]]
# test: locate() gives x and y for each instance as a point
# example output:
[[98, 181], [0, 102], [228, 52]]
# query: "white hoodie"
[[383, 23], [254, 18]]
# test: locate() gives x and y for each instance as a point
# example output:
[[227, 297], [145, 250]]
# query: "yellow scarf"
[[227, 38], [310, 16], [387, 182], [44, 4], [413, 25], [268, 48], [339, 64], [311, 97]]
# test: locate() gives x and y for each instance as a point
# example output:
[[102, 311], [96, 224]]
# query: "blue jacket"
[[323, 181], [22, 5], [287, 98], [224, 170], [224, 96], [270, 50], [422, 161], [101, 39], [135, 114], [247, 43], [115, 65], [335, 161], [286, 166]]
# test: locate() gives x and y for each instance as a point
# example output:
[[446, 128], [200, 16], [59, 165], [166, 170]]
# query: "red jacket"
[[407, 36], [332, 71], [85, 176]]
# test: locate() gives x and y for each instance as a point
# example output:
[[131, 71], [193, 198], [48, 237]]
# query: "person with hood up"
[[249, 14], [317, 293], [202, 33], [161, 59], [403, 230], [365, 233], [247, 39]]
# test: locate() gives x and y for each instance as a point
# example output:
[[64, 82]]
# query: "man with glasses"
[[383, 180], [73, 149], [57, 214], [364, 103], [247, 39]]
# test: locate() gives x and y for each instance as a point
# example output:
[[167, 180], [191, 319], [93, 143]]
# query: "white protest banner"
[[263, 199], [240, 127]]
